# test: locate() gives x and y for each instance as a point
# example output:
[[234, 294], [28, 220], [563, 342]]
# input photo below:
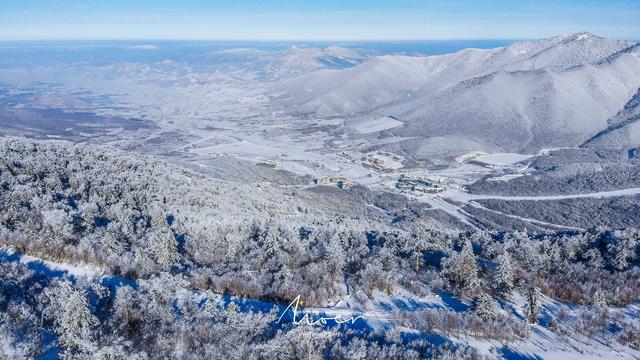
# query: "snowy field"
[[502, 159], [377, 125]]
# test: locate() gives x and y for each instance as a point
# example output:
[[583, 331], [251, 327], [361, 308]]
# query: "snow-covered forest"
[[187, 266]]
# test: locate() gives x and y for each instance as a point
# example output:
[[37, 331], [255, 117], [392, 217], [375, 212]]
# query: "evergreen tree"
[[484, 306], [531, 305], [122, 305], [598, 300], [461, 270], [165, 247], [334, 257], [73, 320], [209, 308], [503, 280], [594, 258], [233, 242], [421, 244], [621, 254], [271, 240]]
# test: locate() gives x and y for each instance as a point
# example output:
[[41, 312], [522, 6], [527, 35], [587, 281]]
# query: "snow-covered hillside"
[[529, 95], [623, 133]]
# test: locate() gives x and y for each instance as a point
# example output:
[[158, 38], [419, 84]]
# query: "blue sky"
[[314, 20]]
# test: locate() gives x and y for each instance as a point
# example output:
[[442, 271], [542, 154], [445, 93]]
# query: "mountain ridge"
[[505, 90]]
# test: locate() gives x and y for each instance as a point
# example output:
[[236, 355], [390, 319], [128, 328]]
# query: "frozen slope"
[[553, 92], [525, 110], [623, 133]]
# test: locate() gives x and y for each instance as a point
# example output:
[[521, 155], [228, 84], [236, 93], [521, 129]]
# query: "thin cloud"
[[143, 47]]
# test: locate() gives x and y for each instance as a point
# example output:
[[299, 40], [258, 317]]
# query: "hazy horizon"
[[283, 20]]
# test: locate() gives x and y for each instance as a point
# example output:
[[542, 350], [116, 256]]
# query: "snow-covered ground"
[[379, 312], [88, 271], [501, 159], [542, 343], [376, 125]]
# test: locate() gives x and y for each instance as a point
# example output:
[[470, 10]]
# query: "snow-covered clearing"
[[502, 159], [377, 125], [468, 156], [89, 271]]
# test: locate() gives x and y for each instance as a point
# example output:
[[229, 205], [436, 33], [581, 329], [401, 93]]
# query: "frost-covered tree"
[[531, 305], [233, 241], [165, 247], [271, 238], [123, 304], [422, 243], [621, 255], [211, 305], [374, 277], [69, 309], [598, 300], [461, 270], [484, 306], [594, 258], [503, 279], [334, 257]]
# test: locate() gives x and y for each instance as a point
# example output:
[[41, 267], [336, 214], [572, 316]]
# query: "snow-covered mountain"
[[552, 92], [295, 61], [246, 64]]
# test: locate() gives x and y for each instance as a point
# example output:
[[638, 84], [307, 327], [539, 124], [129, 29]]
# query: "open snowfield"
[[502, 159], [377, 125]]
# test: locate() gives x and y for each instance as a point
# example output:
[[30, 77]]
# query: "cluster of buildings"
[[339, 181], [428, 186], [376, 163]]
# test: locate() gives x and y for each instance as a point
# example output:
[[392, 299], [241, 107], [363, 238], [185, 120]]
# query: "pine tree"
[[334, 257], [271, 238], [48, 239], [73, 320], [598, 300], [232, 313], [110, 245], [421, 244], [127, 226], [594, 258], [11, 215], [503, 281], [209, 308], [233, 242], [484, 306], [122, 304], [622, 253], [165, 248], [531, 306], [461, 270]]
